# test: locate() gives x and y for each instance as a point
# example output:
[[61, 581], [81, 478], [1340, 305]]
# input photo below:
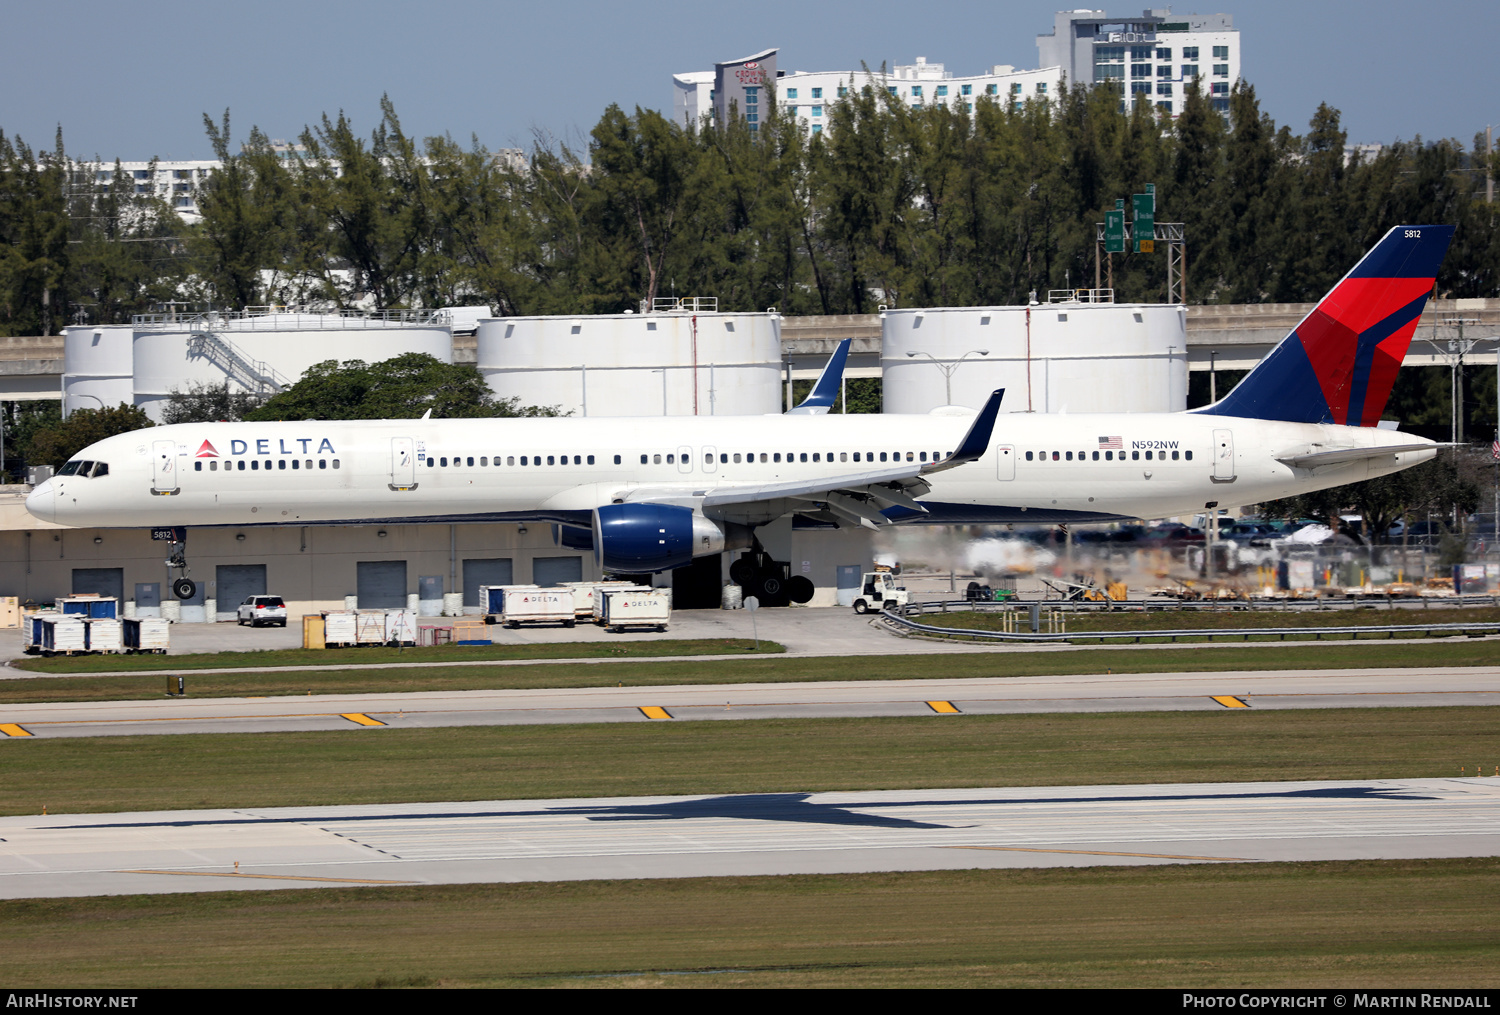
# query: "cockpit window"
[[100, 469], [69, 469]]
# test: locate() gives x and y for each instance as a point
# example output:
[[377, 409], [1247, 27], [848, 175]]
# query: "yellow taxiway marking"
[[271, 877], [1230, 701], [10, 729], [1101, 852], [360, 718], [655, 712], [941, 706]]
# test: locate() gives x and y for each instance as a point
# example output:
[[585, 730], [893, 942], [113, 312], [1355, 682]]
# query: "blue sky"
[[133, 80]]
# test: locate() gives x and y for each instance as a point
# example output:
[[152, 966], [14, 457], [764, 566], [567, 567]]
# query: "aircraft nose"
[[42, 502]]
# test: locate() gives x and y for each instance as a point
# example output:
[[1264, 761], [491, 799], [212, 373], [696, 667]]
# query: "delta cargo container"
[[538, 606], [637, 608]]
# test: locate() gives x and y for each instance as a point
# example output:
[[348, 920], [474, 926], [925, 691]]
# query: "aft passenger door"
[[403, 464], [1223, 456], [1005, 461], [164, 468]]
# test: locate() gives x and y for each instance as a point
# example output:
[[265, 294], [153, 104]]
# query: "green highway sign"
[[1143, 229], [1114, 232]]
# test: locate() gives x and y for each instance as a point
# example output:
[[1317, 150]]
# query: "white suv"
[[258, 610]]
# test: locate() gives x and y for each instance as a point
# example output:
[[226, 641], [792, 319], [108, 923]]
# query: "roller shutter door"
[[236, 583], [493, 571], [103, 581], [546, 571], [381, 584]]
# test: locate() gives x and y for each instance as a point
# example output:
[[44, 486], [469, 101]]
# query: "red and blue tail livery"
[[1339, 364]]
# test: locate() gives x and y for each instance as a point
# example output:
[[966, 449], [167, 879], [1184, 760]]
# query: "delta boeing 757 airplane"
[[650, 494]]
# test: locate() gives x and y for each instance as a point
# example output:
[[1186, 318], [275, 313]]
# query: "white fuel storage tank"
[[1049, 357], [97, 368], [675, 363], [265, 351]]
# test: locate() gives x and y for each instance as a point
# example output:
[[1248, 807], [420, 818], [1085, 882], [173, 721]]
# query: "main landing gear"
[[770, 581]]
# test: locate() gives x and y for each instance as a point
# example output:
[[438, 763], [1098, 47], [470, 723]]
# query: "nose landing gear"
[[183, 587]]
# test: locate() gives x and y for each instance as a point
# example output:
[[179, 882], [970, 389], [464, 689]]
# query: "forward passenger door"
[[164, 468], [403, 464]]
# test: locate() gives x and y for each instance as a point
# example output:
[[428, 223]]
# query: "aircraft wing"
[[1341, 456], [858, 498]]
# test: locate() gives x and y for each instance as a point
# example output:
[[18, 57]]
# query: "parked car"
[[258, 610], [1172, 535], [1250, 533]]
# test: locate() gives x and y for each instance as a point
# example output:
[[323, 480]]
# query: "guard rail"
[[895, 619]]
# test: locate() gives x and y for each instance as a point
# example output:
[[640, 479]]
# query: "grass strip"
[[1376, 924], [383, 654], [143, 773], [1000, 663]]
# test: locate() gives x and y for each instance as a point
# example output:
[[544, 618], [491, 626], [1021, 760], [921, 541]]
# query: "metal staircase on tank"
[[253, 375]]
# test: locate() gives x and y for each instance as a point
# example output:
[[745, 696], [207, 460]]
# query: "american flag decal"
[[1111, 443]]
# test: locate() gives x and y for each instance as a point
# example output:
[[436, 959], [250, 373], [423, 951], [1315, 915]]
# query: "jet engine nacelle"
[[572, 537], [636, 538]]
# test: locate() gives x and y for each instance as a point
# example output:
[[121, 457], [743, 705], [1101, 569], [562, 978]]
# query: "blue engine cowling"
[[572, 537], [637, 538]]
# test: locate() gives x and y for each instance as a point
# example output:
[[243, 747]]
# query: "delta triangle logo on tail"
[[1339, 364], [206, 450]]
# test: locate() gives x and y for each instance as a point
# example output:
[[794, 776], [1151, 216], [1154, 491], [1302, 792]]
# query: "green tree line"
[[890, 204]]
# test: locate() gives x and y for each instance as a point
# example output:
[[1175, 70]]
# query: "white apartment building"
[[808, 95], [1156, 54], [175, 183]]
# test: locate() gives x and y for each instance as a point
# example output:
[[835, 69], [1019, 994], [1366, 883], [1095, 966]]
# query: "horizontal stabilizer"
[[1315, 459]]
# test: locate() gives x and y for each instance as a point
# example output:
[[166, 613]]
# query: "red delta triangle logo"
[[206, 450]]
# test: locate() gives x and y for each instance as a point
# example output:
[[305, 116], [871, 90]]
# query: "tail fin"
[[826, 391], [1339, 364]]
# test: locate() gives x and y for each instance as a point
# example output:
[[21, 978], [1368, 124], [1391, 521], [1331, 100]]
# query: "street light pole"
[[1456, 350], [949, 368]]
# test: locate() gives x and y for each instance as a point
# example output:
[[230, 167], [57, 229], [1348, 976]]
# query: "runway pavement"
[[1366, 688], [652, 837]]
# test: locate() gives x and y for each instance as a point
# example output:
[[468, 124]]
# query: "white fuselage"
[[1038, 467]]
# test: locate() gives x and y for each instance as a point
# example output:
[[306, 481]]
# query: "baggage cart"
[[338, 628], [599, 598], [65, 634], [400, 627], [638, 608], [146, 634], [88, 605], [492, 600], [105, 635], [538, 606], [369, 627], [585, 592]]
